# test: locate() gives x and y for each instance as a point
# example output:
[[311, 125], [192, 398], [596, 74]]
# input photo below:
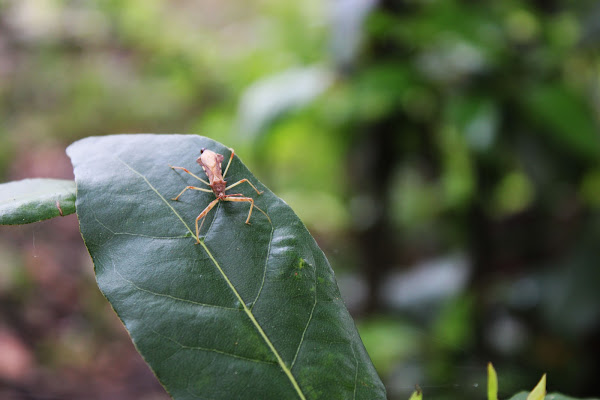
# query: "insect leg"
[[195, 176], [193, 188], [247, 199], [242, 181], [234, 197], [202, 215], [229, 162]]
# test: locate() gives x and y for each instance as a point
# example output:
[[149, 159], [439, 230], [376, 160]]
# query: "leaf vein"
[[168, 296], [280, 361], [137, 234], [159, 195], [307, 322], [265, 267], [200, 348]]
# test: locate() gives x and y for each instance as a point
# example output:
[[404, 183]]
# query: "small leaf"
[[417, 394], [550, 396], [492, 383], [539, 391], [33, 200]]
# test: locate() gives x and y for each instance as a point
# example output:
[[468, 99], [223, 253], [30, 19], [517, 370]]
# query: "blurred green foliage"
[[399, 131]]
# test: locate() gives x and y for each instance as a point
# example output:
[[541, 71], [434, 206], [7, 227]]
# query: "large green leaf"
[[33, 200], [252, 312]]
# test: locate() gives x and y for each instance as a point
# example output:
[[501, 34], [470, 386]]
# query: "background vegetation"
[[443, 153]]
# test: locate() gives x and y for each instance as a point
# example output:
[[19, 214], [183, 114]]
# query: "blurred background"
[[444, 154]]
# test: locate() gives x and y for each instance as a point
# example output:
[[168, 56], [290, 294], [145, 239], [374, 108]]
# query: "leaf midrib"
[[248, 312], [280, 361]]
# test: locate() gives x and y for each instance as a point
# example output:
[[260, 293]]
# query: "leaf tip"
[[539, 391], [492, 386]]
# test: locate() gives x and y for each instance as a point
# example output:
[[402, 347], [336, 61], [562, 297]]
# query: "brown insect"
[[211, 164]]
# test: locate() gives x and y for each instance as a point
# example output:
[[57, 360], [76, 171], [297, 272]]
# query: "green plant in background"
[[538, 392]]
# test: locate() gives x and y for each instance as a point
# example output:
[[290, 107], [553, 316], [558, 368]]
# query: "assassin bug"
[[211, 164]]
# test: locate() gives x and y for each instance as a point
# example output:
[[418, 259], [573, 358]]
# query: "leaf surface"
[[253, 312], [33, 200]]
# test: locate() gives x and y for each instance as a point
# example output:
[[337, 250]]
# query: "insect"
[[211, 164]]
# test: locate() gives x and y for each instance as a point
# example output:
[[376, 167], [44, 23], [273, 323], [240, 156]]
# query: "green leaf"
[[33, 200], [252, 312], [492, 386], [539, 391]]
